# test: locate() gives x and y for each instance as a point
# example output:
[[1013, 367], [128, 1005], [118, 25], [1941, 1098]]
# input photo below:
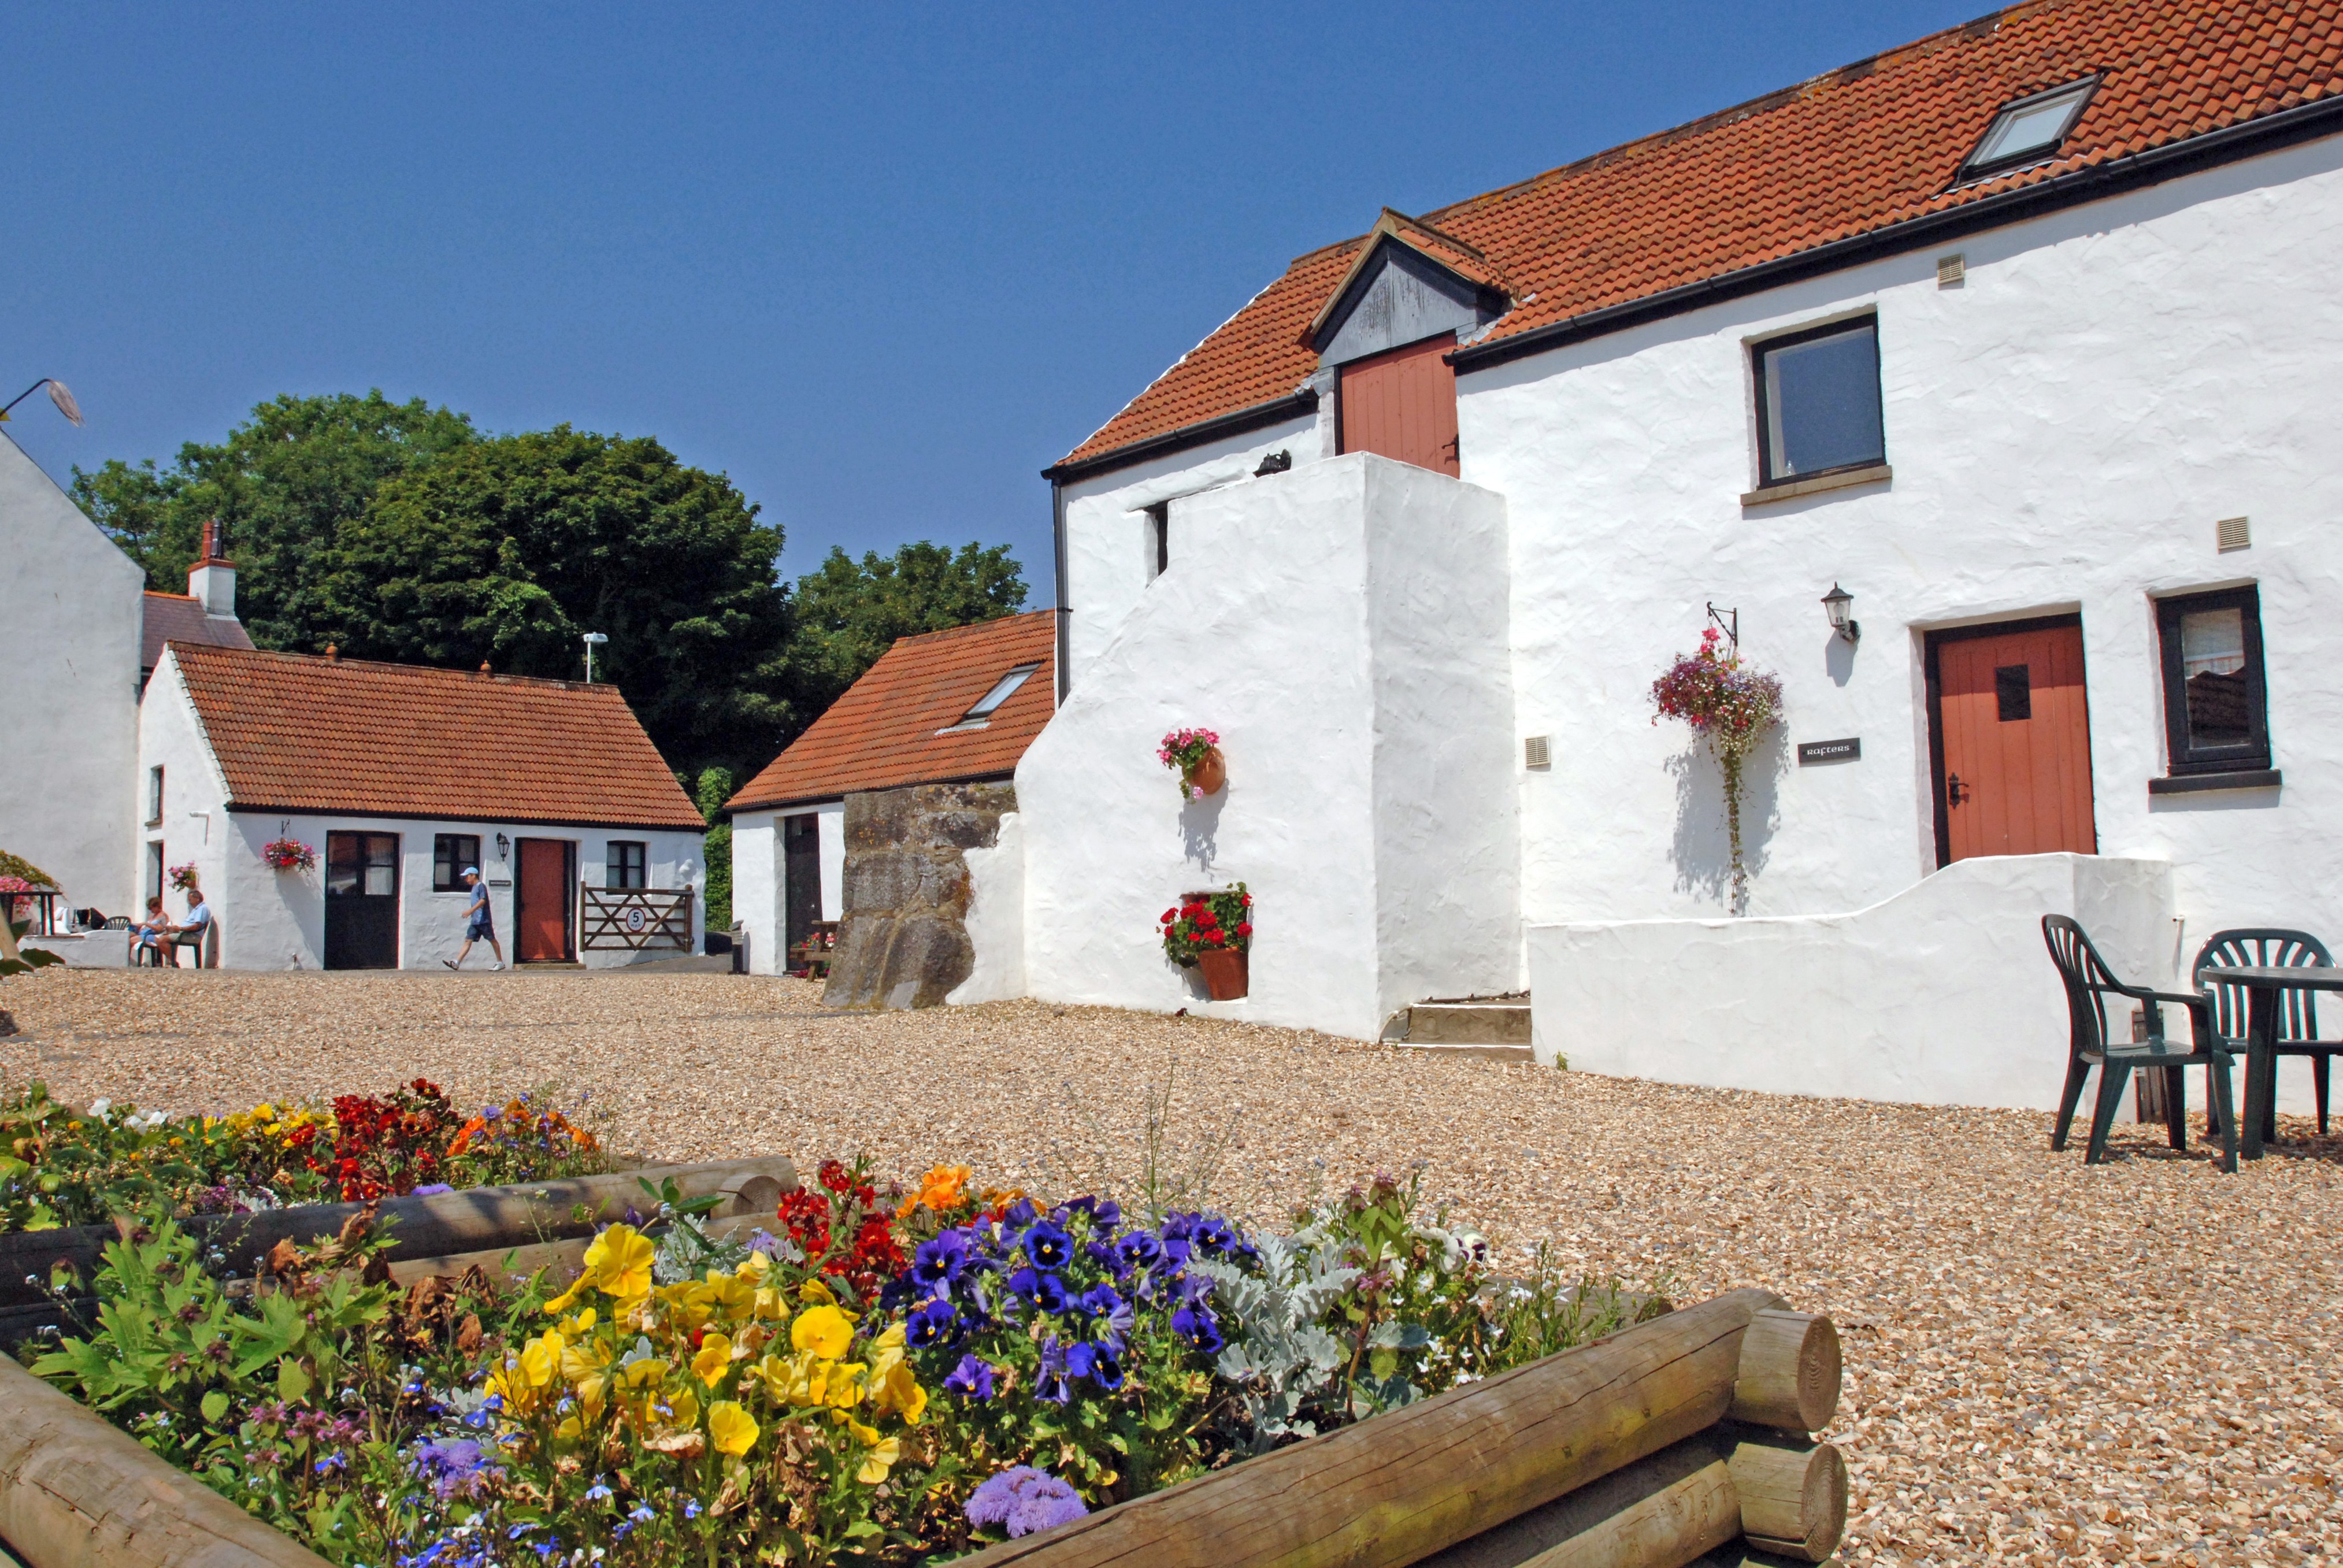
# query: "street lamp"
[[58, 395], [1839, 604], [593, 640]]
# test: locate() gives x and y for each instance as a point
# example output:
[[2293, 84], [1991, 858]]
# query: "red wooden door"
[[1403, 405], [542, 901], [2016, 728]]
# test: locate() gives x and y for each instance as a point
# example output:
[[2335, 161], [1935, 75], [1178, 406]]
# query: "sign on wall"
[[1812, 751]]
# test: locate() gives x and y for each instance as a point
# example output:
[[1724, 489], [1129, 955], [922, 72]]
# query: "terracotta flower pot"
[[1210, 773], [1225, 973]]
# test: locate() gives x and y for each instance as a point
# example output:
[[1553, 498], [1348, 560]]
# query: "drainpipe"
[[1065, 610]]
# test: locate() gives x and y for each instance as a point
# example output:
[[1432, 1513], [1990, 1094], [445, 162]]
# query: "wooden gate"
[[2012, 726], [1403, 405], [636, 920]]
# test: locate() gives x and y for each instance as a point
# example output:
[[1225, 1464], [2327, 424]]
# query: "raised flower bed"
[[869, 1376]]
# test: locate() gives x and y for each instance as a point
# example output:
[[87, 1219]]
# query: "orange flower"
[[942, 1190]]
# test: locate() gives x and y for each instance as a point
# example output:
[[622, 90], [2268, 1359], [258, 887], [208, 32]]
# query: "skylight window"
[[1004, 688], [2029, 129]]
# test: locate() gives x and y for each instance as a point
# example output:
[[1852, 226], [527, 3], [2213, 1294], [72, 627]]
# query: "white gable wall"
[[2064, 430], [69, 608]]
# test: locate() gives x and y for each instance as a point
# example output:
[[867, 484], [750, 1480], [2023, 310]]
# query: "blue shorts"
[[480, 929]]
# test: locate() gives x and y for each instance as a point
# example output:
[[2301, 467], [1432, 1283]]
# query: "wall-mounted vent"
[[1533, 752], [2232, 533], [1952, 271]]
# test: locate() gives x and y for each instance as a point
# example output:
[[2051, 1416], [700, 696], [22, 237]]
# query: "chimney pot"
[[211, 581], [484, 668], [332, 652]]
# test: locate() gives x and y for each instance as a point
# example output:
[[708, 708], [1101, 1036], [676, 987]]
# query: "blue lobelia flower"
[[942, 1260], [934, 1323], [1046, 1291], [972, 1379], [1199, 1328], [1048, 1247]]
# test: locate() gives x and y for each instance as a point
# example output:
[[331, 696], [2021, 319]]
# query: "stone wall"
[[902, 938]]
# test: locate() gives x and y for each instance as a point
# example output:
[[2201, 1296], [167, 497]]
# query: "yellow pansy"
[[541, 1359], [620, 1261], [680, 1408], [878, 1460], [824, 1331], [813, 1292], [715, 1356], [732, 1428], [898, 1389]]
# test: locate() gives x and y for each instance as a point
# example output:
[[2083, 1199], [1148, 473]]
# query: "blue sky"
[[881, 264]]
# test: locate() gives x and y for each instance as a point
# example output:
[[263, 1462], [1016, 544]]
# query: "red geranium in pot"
[[1213, 932]]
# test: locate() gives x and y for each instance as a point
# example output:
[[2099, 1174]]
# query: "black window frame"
[[154, 795], [1758, 350], [2183, 758], [449, 860], [1158, 540], [2085, 89], [623, 859]]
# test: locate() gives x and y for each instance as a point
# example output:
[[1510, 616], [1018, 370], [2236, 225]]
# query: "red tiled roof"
[[293, 732], [882, 734], [1848, 153], [180, 617]]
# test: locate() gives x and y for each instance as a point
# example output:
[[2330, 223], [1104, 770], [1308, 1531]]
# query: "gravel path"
[[2138, 1362]]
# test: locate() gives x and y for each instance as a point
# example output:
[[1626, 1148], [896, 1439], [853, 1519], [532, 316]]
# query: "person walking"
[[478, 926]]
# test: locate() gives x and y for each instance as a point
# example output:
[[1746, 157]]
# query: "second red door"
[[541, 899], [2015, 724], [1403, 405]]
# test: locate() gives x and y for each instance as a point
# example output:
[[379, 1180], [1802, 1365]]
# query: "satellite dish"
[[60, 395]]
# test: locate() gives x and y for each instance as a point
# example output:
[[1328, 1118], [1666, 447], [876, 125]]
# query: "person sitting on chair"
[[149, 933], [192, 931]]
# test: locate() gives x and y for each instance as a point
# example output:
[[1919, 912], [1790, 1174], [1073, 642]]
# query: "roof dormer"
[[1410, 282]]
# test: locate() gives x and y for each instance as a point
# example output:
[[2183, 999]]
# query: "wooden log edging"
[[470, 1221], [1415, 1481], [77, 1491]]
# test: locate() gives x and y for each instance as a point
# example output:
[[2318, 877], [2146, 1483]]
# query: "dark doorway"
[[800, 877], [542, 897], [361, 900], [2011, 723]]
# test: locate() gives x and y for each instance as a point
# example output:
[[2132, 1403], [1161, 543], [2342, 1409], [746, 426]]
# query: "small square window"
[[451, 853], [626, 865], [2013, 691], [1819, 402], [2216, 710], [2029, 129]]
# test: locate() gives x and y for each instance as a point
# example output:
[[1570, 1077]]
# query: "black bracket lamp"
[[1839, 605]]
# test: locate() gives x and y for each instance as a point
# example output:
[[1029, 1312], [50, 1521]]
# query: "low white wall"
[[1365, 712], [1942, 995], [996, 917]]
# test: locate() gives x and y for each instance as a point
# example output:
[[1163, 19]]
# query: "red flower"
[[1244, 927]]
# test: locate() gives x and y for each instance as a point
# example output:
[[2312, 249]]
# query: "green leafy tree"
[[283, 483], [848, 613], [714, 788], [510, 549]]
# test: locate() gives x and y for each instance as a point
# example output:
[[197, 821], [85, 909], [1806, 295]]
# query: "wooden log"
[[1789, 1372], [1740, 1554], [76, 1492], [1793, 1495], [1402, 1486], [502, 1263], [475, 1219], [1662, 1511]]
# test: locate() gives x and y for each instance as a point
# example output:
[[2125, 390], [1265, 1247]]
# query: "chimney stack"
[[211, 581]]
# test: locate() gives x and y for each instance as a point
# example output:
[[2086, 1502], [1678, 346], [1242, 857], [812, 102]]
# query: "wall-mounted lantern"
[[1839, 605], [504, 847]]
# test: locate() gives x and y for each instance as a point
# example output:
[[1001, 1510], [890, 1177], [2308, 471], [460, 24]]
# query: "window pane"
[[1822, 403], [1002, 690], [2213, 668], [2026, 130]]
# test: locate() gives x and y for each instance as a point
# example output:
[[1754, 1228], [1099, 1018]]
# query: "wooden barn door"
[[541, 900], [800, 877], [361, 900], [2012, 728], [1403, 405]]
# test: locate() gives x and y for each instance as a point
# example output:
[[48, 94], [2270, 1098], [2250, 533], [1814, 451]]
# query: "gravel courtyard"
[[2138, 1362]]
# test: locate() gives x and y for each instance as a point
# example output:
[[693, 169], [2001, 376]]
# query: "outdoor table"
[[2263, 984]]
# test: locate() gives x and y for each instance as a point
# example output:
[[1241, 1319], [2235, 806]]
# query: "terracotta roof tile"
[[882, 734], [180, 617], [1848, 153], [293, 732]]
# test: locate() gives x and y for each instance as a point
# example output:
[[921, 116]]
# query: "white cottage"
[[2025, 337], [398, 776]]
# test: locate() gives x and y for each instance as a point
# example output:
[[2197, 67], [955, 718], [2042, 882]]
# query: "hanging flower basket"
[[1729, 706], [289, 855], [182, 878], [1195, 756]]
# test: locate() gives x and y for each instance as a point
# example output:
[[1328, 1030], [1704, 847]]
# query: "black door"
[[801, 879], [361, 900]]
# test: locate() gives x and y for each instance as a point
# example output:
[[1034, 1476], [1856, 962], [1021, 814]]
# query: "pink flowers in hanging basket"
[[1194, 755], [181, 877], [288, 855]]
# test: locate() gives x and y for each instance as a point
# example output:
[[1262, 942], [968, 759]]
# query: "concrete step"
[[1475, 1029]]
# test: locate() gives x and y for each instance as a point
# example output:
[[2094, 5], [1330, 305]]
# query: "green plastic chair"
[[2298, 1017], [2090, 983]]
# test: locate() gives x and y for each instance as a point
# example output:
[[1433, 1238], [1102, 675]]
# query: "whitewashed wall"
[[1942, 994], [69, 629], [1365, 707], [271, 920], [760, 878], [996, 917], [2065, 429]]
